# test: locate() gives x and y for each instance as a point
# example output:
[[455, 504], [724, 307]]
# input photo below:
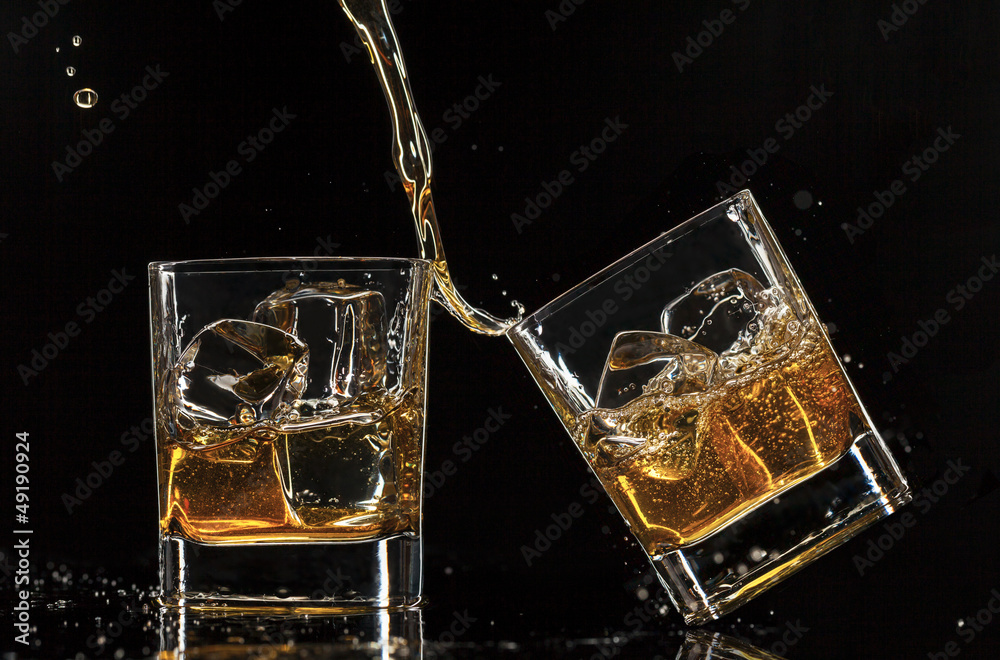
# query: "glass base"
[[232, 635], [342, 577], [717, 574]]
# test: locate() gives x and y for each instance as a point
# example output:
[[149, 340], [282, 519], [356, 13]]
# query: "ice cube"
[[779, 330], [720, 312], [648, 362], [345, 472], [328, 470], [666, 436], [603, 441], [235, 377], [345, 327]]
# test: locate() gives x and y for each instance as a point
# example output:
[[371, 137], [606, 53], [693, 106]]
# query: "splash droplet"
[[77, 40], [70, 71], [85, 98], [803, 199]]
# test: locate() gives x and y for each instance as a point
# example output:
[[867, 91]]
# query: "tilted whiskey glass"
[[697, 381]]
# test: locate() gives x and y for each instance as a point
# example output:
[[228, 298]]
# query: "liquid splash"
[[411, 155]]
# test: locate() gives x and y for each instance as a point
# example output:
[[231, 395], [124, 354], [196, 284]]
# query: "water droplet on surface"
[[70, 71], [85, 98], [77, 40]]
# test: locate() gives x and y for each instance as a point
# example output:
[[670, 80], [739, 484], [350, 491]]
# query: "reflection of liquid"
[[411, 154], [704, 645], [726, 449], [380, 635]]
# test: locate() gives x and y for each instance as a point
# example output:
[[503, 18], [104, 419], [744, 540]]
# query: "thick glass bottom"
[[340, 577], [717, 574]]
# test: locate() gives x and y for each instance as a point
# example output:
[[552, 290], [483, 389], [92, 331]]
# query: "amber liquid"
[[726, 450], [245, 491], [411, 155]]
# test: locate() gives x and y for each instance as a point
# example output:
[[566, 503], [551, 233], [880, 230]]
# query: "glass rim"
[[617, 265], [264, 264]]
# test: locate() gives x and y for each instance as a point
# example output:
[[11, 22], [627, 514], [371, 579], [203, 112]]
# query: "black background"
[[324, 178]]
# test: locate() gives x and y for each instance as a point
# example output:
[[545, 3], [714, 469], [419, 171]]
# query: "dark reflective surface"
[[87, 617]]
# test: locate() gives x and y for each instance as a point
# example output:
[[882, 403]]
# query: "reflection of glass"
[[289, 410], [697, 381], [384, 634], [704, 645]]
